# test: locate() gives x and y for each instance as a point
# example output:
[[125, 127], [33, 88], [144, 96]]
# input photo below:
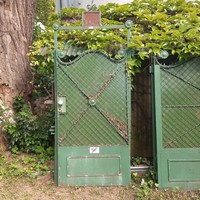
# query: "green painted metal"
[[79, 167], [56, 108], [176, 91], [92, 126], [71, 50], [57, 27]]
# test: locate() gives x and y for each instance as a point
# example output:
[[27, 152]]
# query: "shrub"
[[29, 131]]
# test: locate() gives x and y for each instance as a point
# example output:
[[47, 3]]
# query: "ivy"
[[67, 14], [44, 9], [28, 132], [171, 25]]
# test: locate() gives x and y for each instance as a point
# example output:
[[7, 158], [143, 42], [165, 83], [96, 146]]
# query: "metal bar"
[[139, 168], [181, 106], [112, 125], [75, 122], [128, 93], [107, 83], [187, 82], [151, 71], [128, 36], [163, 66], [61, 6], [82, 92], [56, 108], [55, 40], [188, 131], [102, 175], [91, 27], [158, 120], [128, 90]]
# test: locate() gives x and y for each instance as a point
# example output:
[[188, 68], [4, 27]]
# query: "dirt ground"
[[14, 185], [43, 188]]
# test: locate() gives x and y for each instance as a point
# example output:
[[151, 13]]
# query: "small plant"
[[18, 104], [139, 161], [29, 132], [5, 118], [12, 166], [144, 184]]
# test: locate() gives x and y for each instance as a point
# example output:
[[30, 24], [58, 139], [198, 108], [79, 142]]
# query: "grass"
[[24, 177]]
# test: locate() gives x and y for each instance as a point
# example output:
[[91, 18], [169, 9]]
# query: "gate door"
[[177, 124], [93, 98]]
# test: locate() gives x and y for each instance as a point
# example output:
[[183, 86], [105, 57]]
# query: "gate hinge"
[[52, 130]]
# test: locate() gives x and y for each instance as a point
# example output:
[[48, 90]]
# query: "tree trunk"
[[16, 23]]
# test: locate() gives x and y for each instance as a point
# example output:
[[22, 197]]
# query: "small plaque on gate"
[[91, 19], [94, 150]]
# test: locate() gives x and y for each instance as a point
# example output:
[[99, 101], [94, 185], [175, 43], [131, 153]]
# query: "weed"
[[144, 184], [139, 160], [15, 167], [29, 133]]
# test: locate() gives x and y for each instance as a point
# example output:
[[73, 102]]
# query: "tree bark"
[[16, 23]]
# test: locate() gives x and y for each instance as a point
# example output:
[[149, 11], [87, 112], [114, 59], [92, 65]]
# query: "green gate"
[[92, 129], [177, 123]]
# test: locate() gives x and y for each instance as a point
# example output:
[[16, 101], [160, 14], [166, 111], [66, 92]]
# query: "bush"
[[171, 25], [29, 132]]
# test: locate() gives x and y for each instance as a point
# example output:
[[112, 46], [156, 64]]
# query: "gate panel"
[[177, 123], [93, 131]]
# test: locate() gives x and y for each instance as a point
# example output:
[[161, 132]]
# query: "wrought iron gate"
[[92, 130], [177, 123]]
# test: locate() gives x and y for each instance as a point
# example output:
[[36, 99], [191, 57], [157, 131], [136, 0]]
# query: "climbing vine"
[[171, 25]]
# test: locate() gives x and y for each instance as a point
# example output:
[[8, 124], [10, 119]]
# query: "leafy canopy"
[[172, 25]]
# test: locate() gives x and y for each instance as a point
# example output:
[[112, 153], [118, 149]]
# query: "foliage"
[[42, 86], [172, 25], [169, 25], [42, 62], [44, 9], [140, 161], [143, 184], [17, 166], [5, 118], [2, 118], [18, 104], [29, 132], [21, 173], [40, 55], [67, 15]]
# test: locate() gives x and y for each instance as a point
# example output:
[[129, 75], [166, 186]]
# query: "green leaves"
[[16, 166], [44, 9], [171, 25], [143, 54], [29, 132]]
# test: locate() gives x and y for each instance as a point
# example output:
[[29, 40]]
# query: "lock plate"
[[62, 104]]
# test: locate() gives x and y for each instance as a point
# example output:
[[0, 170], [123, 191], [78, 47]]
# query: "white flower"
[[41, 25]]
